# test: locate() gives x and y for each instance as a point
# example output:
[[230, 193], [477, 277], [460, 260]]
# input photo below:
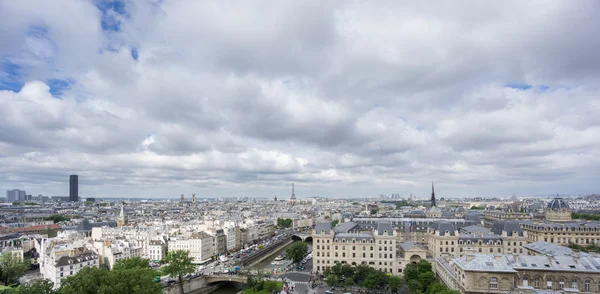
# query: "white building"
[[200, 245], [231, 238], [157, 250], [65, 256]]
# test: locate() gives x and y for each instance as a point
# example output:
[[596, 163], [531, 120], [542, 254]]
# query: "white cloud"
[[343, 98]]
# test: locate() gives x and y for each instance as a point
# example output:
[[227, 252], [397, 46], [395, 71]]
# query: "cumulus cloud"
[[156, 98]]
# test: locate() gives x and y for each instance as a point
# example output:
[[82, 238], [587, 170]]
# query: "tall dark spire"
[[432, 195], [293, 195]]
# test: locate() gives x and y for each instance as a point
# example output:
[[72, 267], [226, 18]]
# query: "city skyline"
[[344, 99]]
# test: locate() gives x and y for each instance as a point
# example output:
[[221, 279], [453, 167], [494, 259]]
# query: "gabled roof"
[[442, 227], [409, 245], [323, 227], [345, 227], [509, 226], [385, 227]]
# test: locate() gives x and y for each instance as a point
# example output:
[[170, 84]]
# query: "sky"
[[158, 98]]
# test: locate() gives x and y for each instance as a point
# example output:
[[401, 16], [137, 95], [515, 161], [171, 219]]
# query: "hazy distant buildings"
[[73, 188], [15, 195]]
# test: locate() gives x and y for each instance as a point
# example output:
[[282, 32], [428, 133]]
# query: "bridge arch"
[[302, 237]]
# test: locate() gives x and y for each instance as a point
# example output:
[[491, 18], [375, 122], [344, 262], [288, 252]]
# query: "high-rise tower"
[[73, 188], [293, 195], [432, 195]]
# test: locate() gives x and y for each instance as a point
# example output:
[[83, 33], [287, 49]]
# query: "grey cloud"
[[347, 96]]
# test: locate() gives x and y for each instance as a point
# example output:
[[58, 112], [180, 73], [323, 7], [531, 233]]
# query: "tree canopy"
[[297, 251], [420, 279], [12, 267], [132, 263], [179, 265], [335, 223], [285, 222], [57, 218], [121, 280], [362, 275]]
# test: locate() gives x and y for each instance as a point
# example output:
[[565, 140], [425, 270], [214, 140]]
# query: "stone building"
[[563, 233], [502, 273], [410, 229], [446, 240], [492, 216], [349, 243], [558, 211]]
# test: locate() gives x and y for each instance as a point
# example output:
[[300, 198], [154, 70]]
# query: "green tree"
[[126, 277], [376, 279], [395, 283], [420, 279], [132, 263], [332, 280], [335, 223], [179, 265], [38, 287], [284, 222], [12, 267], [90, 280], [297, 251], [348, 282], [58, 218], [373, 211]]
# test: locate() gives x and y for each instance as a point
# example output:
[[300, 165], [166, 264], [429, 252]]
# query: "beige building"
[[558, 211], [492, 216], [504, 237], [501, 273], [563, 233], [349, 243]]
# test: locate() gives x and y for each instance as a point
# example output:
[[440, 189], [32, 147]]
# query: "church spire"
[[432, 195]]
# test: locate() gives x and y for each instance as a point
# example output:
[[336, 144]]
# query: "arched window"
[[537, 282], [525, 281], [548, 283], [588, 285], [574, 283], [561, 283], [493, 283]]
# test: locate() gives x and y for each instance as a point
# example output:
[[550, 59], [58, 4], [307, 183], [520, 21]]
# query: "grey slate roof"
[[558, 204], [72, 260], [326, 227], [345, 227], [475, 230], [509, 226], [410, 245], [383, 227], [442, 227], [357, 236]]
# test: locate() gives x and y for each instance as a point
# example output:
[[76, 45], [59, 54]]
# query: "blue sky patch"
[[10, 76], [134, 53], [57, 86], [110, 10], [519, 86]]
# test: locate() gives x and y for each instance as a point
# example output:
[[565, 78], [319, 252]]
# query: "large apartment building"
[[552, 271], [505, 237], [349, 243]]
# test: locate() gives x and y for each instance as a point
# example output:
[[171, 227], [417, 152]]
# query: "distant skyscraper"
[[73, 188], [432, 195], [293, 195], [15, 195]]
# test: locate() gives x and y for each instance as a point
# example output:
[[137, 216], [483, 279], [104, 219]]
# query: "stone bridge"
[[302, 237], [225, 278]]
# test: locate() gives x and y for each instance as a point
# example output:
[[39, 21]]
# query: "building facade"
[[504, 238], [349, 243]]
